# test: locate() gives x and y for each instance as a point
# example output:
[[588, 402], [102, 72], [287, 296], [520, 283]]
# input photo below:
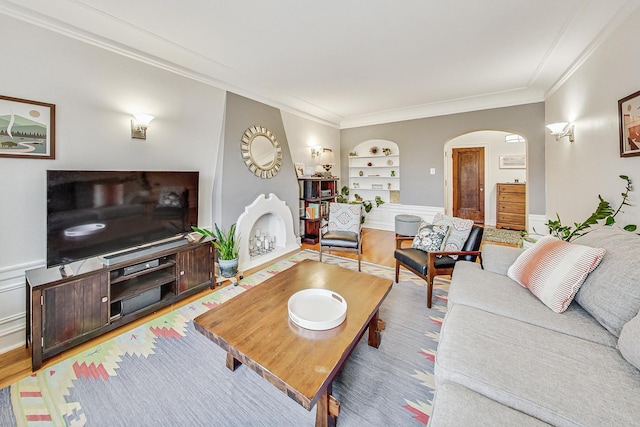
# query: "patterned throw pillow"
[[430, 237], [344, 217], [553, 270], [459, 233]]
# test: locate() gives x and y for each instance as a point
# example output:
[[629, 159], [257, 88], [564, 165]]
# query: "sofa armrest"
[[498, 258]]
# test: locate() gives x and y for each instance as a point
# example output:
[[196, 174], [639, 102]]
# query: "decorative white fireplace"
[[266, 219]]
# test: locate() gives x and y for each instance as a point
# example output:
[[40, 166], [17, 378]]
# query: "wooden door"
[[468, 183], [74, 309]]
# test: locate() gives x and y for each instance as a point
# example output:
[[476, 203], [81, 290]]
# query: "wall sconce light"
[[562, 129], [139, 125], [316, 151]]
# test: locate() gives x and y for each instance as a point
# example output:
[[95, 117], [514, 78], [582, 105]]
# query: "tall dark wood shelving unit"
[[315, 191]]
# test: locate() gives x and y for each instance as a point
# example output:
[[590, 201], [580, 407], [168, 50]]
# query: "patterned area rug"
[[166, 373], [500, 235]]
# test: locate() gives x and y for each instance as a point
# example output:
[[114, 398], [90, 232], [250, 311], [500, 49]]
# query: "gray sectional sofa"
[[504, 358]]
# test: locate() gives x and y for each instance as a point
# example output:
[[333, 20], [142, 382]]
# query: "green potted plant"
[[226, 246]]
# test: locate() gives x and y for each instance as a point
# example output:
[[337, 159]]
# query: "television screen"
[[92, 213]]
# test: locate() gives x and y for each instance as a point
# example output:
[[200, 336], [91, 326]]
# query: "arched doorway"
[[503, 161]]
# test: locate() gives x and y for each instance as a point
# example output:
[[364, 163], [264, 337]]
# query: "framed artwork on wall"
[[299, 169], [27, 129], [629, 116], [513, 161]]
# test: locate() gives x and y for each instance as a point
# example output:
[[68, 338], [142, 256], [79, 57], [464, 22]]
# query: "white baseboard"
[[12, 305]]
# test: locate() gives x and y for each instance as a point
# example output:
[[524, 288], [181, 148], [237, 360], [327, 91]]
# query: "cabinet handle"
[[105, 299]]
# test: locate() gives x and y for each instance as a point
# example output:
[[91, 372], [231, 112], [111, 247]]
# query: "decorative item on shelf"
[[373, 150], [386, 151], [376, 186], [393, 173], [227, 247], [389, 185], [353, 154], [389, 162], [379, 201], [357, 197], [369, 164], [374, 174], [360, 173], [356, 185]]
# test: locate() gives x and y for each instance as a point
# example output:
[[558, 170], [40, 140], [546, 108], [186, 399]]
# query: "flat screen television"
[[90, 213]]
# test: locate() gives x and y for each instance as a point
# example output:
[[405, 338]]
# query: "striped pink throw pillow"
[[553, 270]]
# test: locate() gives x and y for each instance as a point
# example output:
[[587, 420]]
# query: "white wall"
[[577, 172], [95, 92]]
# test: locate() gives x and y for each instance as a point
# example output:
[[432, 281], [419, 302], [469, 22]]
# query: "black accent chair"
[[428, 265]]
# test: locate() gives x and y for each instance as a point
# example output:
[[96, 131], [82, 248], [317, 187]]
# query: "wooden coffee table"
[[255, 330]]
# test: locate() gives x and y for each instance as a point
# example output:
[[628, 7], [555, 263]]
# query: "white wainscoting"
[[383, 217], [13, 305]]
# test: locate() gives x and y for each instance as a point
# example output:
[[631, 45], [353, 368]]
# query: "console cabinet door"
[[195, 267], [74, 309]]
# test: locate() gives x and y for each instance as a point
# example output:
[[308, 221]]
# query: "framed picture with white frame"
[[513, 161]]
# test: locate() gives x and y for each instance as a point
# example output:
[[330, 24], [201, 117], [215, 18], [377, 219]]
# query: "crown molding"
[[462, 105]]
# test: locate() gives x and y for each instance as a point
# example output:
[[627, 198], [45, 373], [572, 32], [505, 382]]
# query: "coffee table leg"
[[327, 409], [232, 362], [374, 330]]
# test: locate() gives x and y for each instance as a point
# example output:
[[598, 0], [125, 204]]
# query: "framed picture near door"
[[513, 161], [629, 116], [27, 129]]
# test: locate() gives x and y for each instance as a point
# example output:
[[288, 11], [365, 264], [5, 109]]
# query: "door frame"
[[489, 177]]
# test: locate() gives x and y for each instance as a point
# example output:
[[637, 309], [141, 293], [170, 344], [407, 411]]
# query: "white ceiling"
[[350, 63]]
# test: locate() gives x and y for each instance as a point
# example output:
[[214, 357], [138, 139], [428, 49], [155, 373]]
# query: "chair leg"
[[321, 252], [429, 288], [359, 253], [397, 270]]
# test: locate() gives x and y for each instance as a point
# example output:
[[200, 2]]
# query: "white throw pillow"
[[553, 270], [458, 233]]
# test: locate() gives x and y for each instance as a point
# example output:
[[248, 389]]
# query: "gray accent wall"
[[236, 185], [421, 144]]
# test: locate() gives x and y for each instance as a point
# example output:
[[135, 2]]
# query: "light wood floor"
[[378, 247]]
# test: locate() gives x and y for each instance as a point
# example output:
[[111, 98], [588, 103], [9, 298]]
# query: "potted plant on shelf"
[[227, 247]]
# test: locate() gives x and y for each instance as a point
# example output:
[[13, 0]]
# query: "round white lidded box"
[[317, 309]]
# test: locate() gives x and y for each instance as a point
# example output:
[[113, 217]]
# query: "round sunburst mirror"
[[261, 152]]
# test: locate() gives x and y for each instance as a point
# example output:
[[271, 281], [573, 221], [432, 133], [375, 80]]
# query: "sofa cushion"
[[611, 293], [498, 258], [629, 342], [562, 380], [458, 233], [553, 270], [498, 294], [456, 406]]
